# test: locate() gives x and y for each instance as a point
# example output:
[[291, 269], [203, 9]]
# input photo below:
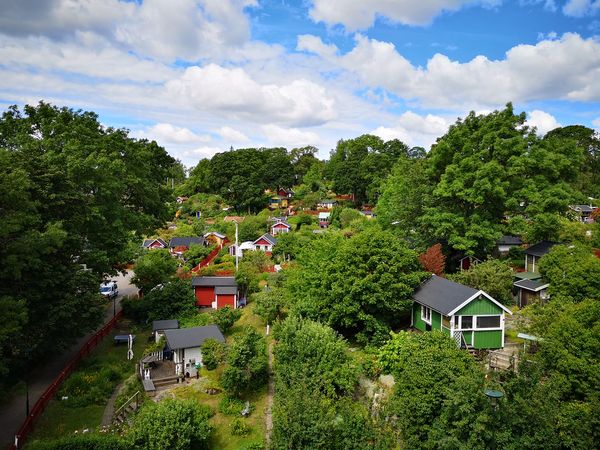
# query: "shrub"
[[225, 317], [239, 427], [213, 354], [231, 406], [82, 442], [90, 387], [171, 424]]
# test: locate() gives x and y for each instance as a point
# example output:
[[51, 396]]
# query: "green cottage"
[[470, 316]]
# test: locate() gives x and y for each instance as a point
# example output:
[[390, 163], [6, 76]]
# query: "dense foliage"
[[314, 381], [153, 268], [170, 300], [493, 276], [173, 424], [247, 369], [361, 286], [73, 194]]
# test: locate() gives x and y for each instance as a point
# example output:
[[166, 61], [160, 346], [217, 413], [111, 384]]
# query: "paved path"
[[12, 413]]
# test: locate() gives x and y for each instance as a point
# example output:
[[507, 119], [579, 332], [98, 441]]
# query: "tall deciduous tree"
[[361, 286], [489, 166], [493, 276], [73, 194]]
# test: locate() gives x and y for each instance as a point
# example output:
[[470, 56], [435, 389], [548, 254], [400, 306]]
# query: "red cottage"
[[216, 292]]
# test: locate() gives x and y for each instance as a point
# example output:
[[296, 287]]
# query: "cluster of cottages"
[[179, 245]]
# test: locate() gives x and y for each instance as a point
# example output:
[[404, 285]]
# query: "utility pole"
[[237, 249]]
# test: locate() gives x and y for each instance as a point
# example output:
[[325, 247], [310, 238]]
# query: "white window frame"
[[424, 310], [474, 326], [475, 319]]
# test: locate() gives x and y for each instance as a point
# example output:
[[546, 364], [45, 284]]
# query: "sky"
[[202, 76]]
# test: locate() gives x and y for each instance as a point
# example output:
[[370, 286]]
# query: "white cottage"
[[185, 344]]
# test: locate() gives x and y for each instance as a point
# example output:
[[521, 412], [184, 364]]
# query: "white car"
[[109, 289]]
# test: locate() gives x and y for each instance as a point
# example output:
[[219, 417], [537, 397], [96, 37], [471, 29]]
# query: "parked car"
[[109, 289]]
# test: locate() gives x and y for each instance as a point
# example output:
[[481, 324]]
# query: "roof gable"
[[541, 248], [267, 237], [447, 297]]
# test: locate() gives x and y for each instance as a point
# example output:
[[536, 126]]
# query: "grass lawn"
[[64, 417], [221, 437]]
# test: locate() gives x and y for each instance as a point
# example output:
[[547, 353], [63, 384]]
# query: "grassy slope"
[[60, 419]]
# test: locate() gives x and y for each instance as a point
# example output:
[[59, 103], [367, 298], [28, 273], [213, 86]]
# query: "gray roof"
[[214, 281], [510, 240], [160, 325], [541, 248], [192, 337], [226, 290], [268, 238], [148, 242], [443, 295], [531, 285], [582, 208], [283, 222], [186, 241]]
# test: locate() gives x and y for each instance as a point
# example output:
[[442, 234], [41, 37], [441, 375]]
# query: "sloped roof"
[[281, 222], [214, 281], [159, 325], [226, 290], [215, 233], [541, 248], [510, 240], [267, 237], [443, 295], [531, 285], [582, 208], [192, 337], [186, 241], [148, 242]]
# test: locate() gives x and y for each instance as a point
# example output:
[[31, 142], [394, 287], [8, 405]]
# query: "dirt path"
[[270, 392]]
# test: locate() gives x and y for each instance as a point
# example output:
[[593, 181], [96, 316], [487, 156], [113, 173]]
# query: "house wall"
[[488, 339], [205, 295], [480, 306], [225, 300], [420, 324], [436, 320]]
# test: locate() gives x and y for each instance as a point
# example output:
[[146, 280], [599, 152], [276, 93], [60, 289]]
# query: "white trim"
[[531, 290], [473, 297], [428, 322]]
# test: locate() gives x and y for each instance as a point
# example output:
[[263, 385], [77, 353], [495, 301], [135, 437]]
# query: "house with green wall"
[[470, 316]]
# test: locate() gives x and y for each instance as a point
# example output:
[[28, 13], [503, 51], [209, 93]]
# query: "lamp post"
[[26, 398], [494, 397]]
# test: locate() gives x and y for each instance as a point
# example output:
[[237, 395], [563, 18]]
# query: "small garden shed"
[[470, 316]]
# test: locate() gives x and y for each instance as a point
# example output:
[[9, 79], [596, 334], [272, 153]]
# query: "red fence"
[[212, 255], [51, 390]]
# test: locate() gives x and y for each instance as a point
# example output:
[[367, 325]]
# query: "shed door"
[[205, 295], [225, 300]]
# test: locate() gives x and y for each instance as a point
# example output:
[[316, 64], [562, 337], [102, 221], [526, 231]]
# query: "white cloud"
[[567, 68], [355, 15], [596, 123], [167, 133], [232, 91], [232, 135], [415, 130], [289, 137], [177, 29], [543, 121], [314, 44], [580, 8]]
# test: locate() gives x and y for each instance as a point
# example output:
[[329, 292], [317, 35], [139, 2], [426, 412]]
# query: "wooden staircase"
[[128, 408]]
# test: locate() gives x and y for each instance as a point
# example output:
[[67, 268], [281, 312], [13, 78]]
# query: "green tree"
[[153, 268], [572, 271], [361, 286], [226, 317], [404, 195], [430, 371], [213, 353], [489, 166], [171, 424], [270, 304], [195, 254], [248, 366], [493, 276]]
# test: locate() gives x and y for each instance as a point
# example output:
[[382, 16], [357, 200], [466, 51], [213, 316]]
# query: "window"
[[466, 322], [446, 321], [456, 322], [426, 314], [488, 322]]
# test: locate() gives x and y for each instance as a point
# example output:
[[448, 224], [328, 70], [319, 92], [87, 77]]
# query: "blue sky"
[[200, 76]]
